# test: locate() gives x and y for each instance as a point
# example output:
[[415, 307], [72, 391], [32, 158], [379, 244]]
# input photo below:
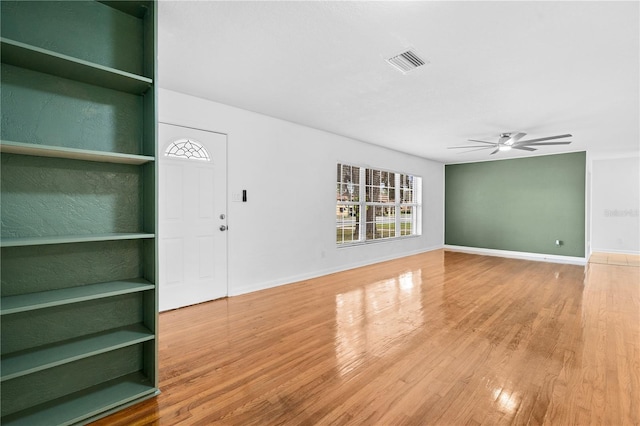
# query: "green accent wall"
[[523, 204]]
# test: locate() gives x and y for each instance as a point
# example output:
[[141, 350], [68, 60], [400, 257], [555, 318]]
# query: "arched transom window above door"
[[187, 148]]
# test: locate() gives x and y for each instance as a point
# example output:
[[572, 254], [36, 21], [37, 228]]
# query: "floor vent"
[[407, 61]]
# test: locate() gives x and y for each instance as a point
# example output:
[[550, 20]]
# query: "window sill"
[[382, 240]]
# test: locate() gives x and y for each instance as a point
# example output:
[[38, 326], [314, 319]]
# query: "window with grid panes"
[[375, 205]]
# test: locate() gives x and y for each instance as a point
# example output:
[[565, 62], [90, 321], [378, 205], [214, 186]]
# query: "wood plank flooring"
[[439, 338], [615, 259]]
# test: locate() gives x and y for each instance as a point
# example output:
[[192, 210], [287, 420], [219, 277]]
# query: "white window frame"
[[362, 203]]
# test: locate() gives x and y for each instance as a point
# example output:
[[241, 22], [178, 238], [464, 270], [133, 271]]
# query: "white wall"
[[615, 205], [286, 230]]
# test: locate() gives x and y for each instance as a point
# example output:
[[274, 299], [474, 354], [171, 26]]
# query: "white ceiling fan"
[[508, 141]]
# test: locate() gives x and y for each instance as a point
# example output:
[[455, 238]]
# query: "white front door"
[[192, 216]]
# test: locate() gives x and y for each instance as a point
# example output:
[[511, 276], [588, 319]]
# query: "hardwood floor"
[[615, 259], [438, 338]]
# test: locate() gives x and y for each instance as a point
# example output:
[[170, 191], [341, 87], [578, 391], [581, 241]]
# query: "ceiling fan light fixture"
[[504, 147]]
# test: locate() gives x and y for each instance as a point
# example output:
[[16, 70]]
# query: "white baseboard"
[[519, 255], [302, 277], [602, 250]]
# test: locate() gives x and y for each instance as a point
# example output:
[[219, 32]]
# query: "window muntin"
[[408, 204], [381, 222], [374, 204], [380, 186], [348, 203], [188, 149]]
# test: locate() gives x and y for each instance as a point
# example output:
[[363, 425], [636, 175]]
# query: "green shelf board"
[[68, 239], [133, 8], [37, 150], [42, 60], [30, 361], [45, 299], [85, 404]]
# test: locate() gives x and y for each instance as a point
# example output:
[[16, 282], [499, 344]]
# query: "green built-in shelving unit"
[[78, 306]]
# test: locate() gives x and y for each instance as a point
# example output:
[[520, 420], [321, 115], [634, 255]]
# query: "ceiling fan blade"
[[512, 139], [524, 148], [543, 139], [473, 150], [497, 149], [470, 146], [548, 143], [515, 138], [475, 140]]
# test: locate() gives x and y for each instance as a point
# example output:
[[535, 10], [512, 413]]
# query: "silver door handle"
[[223, 228]]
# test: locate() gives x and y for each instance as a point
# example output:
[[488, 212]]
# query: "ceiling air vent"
[[406, 61]]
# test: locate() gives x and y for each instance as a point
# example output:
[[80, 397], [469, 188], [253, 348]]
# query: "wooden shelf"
[[87, 403], [37, 59], [37, 359], [66, 239], [37, 150], [46, 299]]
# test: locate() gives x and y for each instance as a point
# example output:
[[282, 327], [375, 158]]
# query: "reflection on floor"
[[621, 259]]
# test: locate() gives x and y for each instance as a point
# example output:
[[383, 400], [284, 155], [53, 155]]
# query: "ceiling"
[[543, 68]]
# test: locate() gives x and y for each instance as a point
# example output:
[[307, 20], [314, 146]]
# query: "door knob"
[[223, 228]]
